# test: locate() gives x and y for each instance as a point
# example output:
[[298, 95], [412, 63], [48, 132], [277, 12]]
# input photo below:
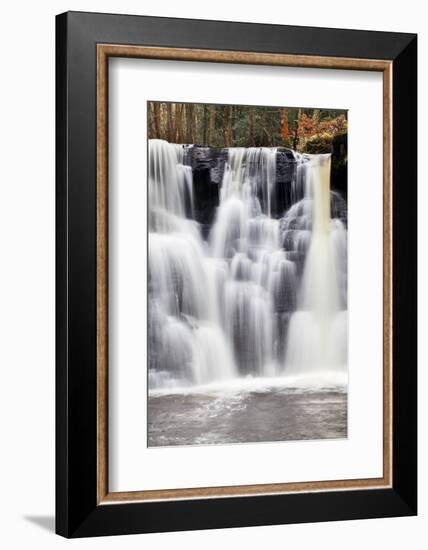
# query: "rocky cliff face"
[[208, 167], [208, 164]]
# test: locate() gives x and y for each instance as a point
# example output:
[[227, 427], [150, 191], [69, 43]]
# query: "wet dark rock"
[[217, 168], [285, 165], [208, 164], [205, 198], [203, 157], [208, 167], [338, 207], [285, 175], [339, 165]]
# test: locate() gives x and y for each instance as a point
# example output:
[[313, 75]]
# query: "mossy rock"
[[319, 144]]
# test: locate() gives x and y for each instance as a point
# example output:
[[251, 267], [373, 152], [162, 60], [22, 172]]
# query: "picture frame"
[[84, 44]]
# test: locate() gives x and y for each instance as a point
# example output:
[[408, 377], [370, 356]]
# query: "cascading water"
[[317, 339], [264, 295]]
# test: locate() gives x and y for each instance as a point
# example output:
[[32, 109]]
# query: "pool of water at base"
[[250, 416]]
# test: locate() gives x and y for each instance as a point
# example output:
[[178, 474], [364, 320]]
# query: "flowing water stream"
[[258, 307]]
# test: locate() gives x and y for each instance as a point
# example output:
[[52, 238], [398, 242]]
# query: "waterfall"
[[318, 330], [264, 293]]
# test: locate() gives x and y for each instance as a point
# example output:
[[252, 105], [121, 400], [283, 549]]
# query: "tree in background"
[[285, 131], [304, 130]]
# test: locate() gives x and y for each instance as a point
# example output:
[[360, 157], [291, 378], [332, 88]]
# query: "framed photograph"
[[236, 274]]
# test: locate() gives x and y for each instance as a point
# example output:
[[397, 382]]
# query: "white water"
[[262, 296], [318, 330]]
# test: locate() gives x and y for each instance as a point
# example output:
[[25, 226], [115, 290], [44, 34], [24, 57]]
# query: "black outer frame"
[[77, 513]]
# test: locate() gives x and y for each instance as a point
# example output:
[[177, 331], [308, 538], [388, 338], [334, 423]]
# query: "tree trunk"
[[152, 126], [251, 136], [179, 123], [296, 130], [170, 123], [227, 126], [205, 129], [162, 121], [211, 124], [234, 118], [155, 120], [189, 123], [285, 132], [316, 116]]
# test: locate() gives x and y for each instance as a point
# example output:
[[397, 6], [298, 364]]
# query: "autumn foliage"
[[309, 127], [304, 130]]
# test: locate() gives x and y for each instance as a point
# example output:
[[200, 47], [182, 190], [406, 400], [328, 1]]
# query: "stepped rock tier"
[[247, 265]]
